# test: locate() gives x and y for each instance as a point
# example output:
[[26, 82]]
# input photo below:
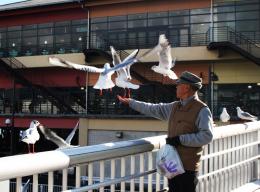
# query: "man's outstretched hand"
[[123, 100]]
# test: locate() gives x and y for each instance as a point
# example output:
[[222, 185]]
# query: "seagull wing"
[[127, 68], [71, 135], [129, 61], [52, 136], [116, 60], [157, 48], [115, 56], [62, 63], [26, 186], [86, 68], [247, 115], [58, 62]]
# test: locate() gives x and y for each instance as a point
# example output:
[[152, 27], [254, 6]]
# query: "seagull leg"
[[29, 151], [124, 93], [33, 148], [100, 92], [110, 90], [129, 94]]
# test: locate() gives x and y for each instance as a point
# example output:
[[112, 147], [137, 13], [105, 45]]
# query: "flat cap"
[[191, 79]]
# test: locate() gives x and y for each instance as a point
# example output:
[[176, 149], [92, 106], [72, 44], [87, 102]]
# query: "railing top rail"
[[235, 129]]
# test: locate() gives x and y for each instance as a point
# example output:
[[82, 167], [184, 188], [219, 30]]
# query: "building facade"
[[217, 40]]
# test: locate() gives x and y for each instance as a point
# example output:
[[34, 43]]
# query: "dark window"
[[199, 11], [117, 25], [99, 20], [247, 15], [137, 16], [29, 41], [99, 26], [137, 23], [179, 20], [199, 18], [158, 14], [158, 21], [45, 31], [117, 18], [45, 25], [28, 33], [224, 17], [62, 30], [247, 25], [179, 13]]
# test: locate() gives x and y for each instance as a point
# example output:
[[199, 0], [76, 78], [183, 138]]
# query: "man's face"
[[182, 91]]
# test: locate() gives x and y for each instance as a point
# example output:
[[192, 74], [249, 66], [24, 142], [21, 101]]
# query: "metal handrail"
[[225, 33]]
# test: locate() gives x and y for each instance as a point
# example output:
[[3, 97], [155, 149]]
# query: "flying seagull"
[[104, 80], [224, 116], [245, 115], [31, 135], [163, 49], [123, 75], [52, 136]]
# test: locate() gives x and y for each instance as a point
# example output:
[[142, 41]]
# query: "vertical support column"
[[90, 174], [113, 168], [35, 183], [64, 179], [78, 174], [122, 173], [102, 174], [50, 182], [141, 184], [132, 182], [18, 184]]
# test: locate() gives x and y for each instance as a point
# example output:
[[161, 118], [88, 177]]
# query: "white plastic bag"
[[168, 162]]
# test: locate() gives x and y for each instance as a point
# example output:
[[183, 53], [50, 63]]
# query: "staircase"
[[12, 66], [226, 37]]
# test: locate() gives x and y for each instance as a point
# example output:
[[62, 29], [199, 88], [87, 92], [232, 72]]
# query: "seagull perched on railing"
[[52, 136], [123, 75], [163, 49], [31, 135], [245, 115], [224, 116]]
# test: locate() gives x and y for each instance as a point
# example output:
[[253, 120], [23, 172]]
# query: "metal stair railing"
[[12, 64], [228, 35]]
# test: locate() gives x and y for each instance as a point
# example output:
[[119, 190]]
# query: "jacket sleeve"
[[204, 135], [160, 111]]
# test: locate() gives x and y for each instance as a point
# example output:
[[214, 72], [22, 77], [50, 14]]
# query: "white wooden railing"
[[229, 162]]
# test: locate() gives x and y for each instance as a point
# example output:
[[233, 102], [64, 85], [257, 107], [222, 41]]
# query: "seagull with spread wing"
[[245, 115], [163, 49], [31, 135], [123, 75], [104, 81], [52, 136]]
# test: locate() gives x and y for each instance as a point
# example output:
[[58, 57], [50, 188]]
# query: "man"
[[189, 127]]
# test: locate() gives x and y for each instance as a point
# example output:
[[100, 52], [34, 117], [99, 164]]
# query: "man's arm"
[[204, 135], [160, 111]]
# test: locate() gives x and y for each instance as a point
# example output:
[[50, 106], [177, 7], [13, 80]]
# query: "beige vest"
[[182, 121]]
